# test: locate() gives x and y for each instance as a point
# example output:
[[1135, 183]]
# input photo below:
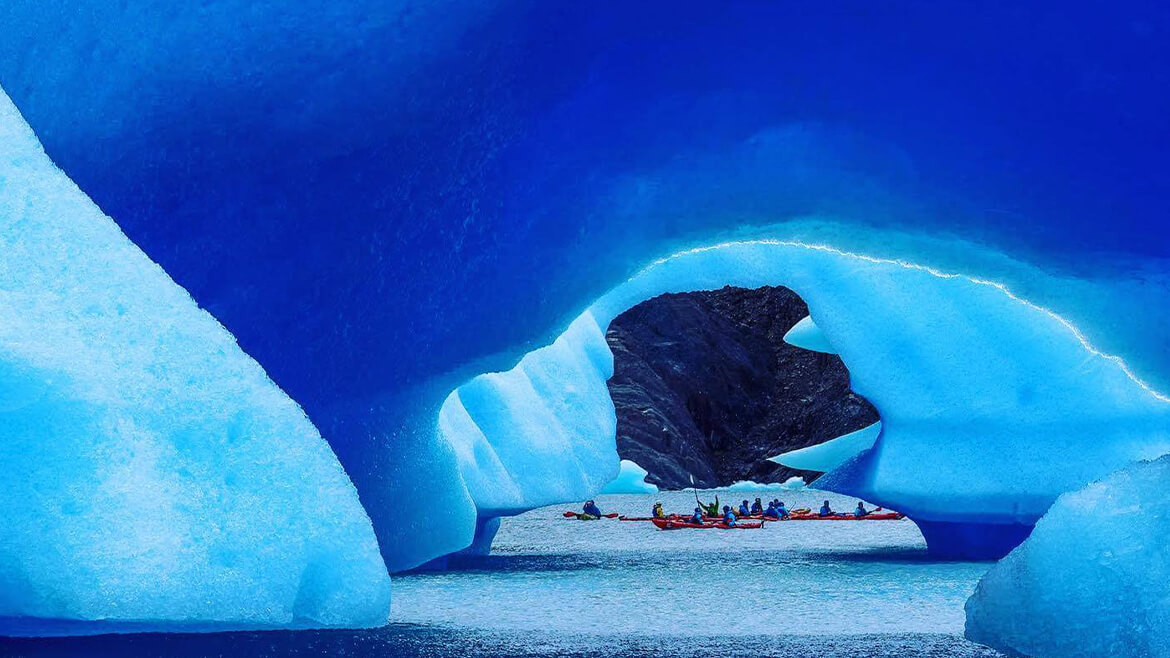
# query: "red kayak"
[[577, 515], [669, 517], [670, 524], [887, 516]]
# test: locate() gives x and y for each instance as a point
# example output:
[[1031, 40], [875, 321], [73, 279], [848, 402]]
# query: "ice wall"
[[1092, 580], [381, 200], [152, 477], [540, 433]]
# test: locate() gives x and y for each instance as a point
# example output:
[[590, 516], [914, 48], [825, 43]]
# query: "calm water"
[[552, 574], [555, 587]]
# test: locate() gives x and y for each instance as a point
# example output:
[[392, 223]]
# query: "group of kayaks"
[[752, 522]]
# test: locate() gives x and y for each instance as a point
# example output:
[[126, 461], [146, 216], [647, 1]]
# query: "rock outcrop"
[[705, 386]]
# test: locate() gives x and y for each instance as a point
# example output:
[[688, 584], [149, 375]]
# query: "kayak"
[[888, 516], [578, 515], [669, 517], [669, 524]]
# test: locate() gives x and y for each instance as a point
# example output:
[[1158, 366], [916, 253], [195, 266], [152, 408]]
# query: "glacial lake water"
[[557, 587]]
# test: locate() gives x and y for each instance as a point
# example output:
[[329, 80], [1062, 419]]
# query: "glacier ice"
[[806, 334], [540, 433], [831, 454], [379, 217], [631, 479], [151, 475], [1093, 579]]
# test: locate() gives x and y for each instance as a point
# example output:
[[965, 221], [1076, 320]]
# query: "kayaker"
[[771, 512], [744, 510], [860, 511], [729, 516], [826, 510], [590, 509], [781, 510], [709, 510], [757, 508], [658, 512], [697, 517]]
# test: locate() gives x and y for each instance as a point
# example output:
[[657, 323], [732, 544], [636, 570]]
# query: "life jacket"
[[658, 512], [729, 519]]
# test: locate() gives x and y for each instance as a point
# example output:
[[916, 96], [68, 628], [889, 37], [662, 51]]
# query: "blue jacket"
[[592, 510], [772, 513], [695, 518], [781, 511], [743, 511], [826, 511], [729, 518]]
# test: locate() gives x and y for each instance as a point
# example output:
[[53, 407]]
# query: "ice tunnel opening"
[[977, 389]]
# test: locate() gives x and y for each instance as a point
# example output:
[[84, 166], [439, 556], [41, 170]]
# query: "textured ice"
[[806, 334], [540, 433], [978, 389], [831, 454], [1092, 580], [382, 200], [151, 475], [631, 479]]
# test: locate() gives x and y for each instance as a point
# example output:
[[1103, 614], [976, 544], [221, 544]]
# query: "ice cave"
[[272, 274]]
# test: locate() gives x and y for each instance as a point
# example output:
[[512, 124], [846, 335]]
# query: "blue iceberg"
[[152, 476], [1091, 580], [383, 201]]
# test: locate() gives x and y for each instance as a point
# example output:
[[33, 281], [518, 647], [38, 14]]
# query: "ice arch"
[[992, 406]]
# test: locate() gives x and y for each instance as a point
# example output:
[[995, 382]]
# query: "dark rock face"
[[705, 385]]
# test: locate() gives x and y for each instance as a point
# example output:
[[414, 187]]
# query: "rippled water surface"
[[557, 587]]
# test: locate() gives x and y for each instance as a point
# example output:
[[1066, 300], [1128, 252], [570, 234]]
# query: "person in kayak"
[[658, 512], [744, 510], [697, 517], [771, 512], [590, 509], [757, 508], [781, 510], [709, 510], [826, 510], [860, 512], [729, 516]]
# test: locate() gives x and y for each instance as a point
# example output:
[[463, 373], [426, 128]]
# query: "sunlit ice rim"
[[1076, 332]]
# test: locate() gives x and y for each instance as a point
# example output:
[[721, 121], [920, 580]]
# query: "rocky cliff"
[[705, 385]]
